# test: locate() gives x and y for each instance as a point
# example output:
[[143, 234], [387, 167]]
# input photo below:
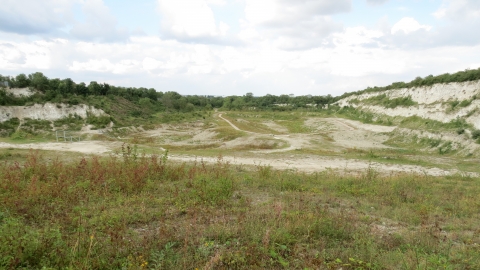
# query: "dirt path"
[[312, 164], [231, 124], [84, 147], [301, 163]]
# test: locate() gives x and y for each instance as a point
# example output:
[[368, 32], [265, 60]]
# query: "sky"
[[234, 47]]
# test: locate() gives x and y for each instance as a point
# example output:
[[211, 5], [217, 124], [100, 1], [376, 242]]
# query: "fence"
[[66, 135]]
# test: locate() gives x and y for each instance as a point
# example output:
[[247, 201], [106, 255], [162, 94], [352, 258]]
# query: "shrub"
[[98, 121], [465, 103], [475, 134]]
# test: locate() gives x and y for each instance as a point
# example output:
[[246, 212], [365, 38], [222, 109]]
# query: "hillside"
[[440, 102], [439, 117]]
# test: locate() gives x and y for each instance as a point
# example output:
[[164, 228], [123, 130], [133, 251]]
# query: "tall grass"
[[132, 211]]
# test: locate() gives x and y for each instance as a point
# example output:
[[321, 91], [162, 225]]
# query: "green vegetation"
[[386, 102], [72, 122], [475, 134], [8, 127], [416, 122], [362, 116], [137, 212]]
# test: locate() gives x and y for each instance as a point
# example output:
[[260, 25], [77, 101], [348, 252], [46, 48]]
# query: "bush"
[[98, 121], [475, 134], [465, 103]]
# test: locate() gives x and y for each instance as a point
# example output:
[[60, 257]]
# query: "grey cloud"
[[303, 24], [100, 24], [307, 34], [459, 34], [33, 17], [316, 7], [462, 10], [294, 11], [463, 34], [213, 40], [46, 19]]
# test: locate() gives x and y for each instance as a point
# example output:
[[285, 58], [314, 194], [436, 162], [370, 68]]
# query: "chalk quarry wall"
[[18, 92], [432, 102], [48, 111]]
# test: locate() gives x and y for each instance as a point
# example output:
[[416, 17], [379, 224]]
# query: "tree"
[[66, 86], [82, 89], [53, 84], [152, 94], [104, 89], [94, 88], [21, 81], [39, 81], [248, 98]]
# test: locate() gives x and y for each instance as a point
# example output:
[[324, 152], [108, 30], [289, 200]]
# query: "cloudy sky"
[[231, 47]]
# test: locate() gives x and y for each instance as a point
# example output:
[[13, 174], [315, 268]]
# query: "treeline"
[[275, 103], [67, 91], [461, 76]]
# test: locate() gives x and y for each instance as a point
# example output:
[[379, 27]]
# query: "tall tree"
[[21, 81], [38, 81]]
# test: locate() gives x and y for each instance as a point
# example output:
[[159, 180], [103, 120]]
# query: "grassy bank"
[[145, 212]]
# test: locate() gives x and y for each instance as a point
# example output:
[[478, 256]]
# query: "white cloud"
[[105, 65], [26, 55], [216, 2], [257, 12], [9, 55], [459, 10], [354, 36], [408, 25], [185, 19], [234, 60], [151, 64]]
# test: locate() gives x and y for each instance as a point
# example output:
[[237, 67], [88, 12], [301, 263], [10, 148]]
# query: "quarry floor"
[[334, 135]]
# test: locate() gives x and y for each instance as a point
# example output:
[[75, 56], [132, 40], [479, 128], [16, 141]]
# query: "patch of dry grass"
[[137, 212]]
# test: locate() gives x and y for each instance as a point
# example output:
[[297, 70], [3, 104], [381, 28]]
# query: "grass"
[[248, 122], [415, 122], [228, 133], [132, 211], [252, 121]]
